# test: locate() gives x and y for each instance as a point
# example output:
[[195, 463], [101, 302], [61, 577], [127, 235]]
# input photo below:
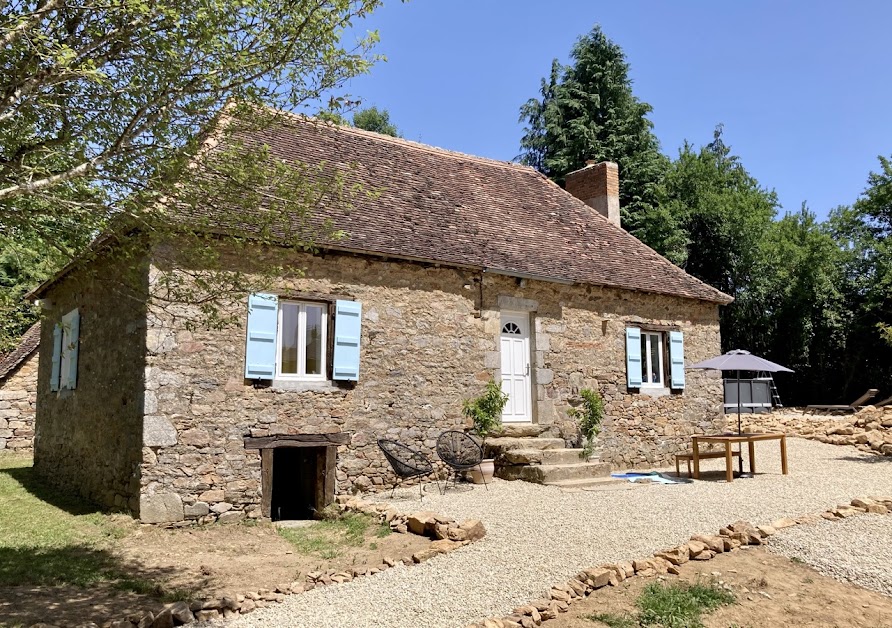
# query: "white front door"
[[516, 381]]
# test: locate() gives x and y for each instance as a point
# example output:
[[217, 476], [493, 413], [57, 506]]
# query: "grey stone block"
[[198, 509], [157, 431], [161, 508]]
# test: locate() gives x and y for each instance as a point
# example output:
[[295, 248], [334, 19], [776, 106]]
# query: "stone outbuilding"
[[458, 269], [18, 392]]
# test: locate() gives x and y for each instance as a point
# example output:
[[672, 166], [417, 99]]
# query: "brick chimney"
[[597, 185]]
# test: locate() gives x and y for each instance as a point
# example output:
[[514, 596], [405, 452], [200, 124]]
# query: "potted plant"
[[486, 413], [589, 416]]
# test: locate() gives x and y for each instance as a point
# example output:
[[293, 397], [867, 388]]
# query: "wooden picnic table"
[[730, 439]]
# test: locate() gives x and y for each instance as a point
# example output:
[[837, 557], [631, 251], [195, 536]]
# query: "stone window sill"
[[292, 385], [655, 391]]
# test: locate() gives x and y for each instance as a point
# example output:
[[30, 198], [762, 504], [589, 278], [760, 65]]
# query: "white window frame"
[[64, 362], [647, 368], [302, 343]]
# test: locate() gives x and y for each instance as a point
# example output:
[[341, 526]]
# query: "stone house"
[[18, 392], [459, 269]]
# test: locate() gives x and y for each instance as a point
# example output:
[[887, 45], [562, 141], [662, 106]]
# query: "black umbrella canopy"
[[740, 360]]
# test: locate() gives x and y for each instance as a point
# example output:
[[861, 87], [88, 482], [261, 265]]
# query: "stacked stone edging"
[[701, 547], [446, 533], [869, 429]]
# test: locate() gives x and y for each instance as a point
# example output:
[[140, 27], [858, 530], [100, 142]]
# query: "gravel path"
[[856, 550], [539, 535]]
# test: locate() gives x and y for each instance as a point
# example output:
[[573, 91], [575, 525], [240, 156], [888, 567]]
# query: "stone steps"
[[542, 456], [495, 446], [549, 473], [529, 453]]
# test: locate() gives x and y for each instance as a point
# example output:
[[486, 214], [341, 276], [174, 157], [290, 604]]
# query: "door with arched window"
[[516, 380]]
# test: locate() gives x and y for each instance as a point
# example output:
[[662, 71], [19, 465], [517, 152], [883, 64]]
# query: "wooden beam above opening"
[[297, 440]]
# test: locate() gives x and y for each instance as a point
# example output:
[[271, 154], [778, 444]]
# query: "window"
[[302, 341], [511, 328], [652, 360], [66, 333]]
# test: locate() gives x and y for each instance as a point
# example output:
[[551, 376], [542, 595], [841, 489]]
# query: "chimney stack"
[[597, 185]]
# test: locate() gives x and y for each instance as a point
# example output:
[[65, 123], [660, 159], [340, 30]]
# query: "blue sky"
[[804, 89]]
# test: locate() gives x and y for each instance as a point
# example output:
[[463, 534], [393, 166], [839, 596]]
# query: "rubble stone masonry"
[[89, 440], [18, 402], [430, 339]]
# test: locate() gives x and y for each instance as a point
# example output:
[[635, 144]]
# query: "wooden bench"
[[689, 456]]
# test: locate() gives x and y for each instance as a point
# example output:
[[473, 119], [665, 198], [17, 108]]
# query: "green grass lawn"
[[47, 537]]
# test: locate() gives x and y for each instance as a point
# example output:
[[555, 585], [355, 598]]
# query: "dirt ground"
[[212, 560], [221, 558], [771, 591]]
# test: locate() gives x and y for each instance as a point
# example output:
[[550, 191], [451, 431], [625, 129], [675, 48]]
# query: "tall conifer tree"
[[587, 110]]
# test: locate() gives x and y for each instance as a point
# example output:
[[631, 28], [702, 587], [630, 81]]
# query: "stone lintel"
[[517, 304], [298, 440]]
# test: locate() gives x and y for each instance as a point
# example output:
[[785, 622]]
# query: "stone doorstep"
[[547, 473], [504, 443], [520, 430], [542, 456]]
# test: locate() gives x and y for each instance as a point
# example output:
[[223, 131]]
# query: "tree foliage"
[[587, 111], [377, 120], [111, 112], [719, 216]]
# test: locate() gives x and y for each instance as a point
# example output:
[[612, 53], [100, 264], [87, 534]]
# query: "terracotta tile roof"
[[28, 344], [459, 209]]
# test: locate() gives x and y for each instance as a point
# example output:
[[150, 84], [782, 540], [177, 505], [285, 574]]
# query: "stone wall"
[[579, 342], [430, 339], [18, 402], [88, 440]]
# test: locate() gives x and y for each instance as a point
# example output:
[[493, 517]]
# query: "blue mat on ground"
[[651, 476]]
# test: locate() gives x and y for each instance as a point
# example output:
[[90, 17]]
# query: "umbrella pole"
[[739, 430]]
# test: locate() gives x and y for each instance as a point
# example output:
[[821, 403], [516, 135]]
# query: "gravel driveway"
[[538, 535], [857, 550]]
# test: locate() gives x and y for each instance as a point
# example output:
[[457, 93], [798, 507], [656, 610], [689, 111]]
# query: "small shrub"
[[589, 415], [486, 410]]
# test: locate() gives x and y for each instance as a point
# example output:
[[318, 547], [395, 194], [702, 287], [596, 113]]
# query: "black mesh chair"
[[406, 462], [460, 452]]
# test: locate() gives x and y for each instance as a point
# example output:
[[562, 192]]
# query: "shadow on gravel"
[[868, 459]]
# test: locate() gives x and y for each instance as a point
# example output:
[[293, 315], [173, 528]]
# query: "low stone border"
[[446, 533], [868, 430], [700, 547]]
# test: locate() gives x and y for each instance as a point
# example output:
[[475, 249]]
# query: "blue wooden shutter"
[[260, 350], [57, 357], [69, 351], [676, 358], [633, 357], [348, 325]]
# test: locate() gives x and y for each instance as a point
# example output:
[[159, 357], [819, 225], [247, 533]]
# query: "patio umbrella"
[[740, 360]]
